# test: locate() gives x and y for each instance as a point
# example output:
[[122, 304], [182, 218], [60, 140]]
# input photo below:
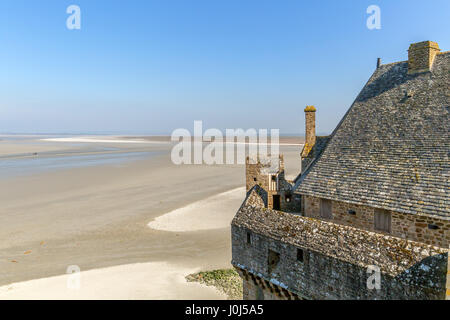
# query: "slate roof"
[[391, 149], [392, 255], [314, 153]]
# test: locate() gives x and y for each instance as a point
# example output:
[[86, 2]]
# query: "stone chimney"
[[421, 56], [310, 127]]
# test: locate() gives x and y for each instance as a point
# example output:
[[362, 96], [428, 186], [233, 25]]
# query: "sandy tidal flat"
[[215, 212], [153, 280], [97, 218]]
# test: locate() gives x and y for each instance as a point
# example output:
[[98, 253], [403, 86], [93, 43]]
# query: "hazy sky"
[[153, 66]]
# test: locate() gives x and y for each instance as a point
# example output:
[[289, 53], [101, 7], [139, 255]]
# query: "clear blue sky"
[[153, 66]]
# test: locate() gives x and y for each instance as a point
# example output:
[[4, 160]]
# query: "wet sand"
[[214, 212], [97, 217]]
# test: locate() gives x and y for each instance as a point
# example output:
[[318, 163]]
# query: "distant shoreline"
[[96, 217], [156, 139]]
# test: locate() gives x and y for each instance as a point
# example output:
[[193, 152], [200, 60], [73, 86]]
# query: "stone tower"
[[264, 172], [268, 175]]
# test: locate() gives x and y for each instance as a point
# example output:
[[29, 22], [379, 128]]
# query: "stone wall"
[[405, 226], [256, 288], [334, 258], [253, 175], [319, 276], [290, 202], [259, 173]]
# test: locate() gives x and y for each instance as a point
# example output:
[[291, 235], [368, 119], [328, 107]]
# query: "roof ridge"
[[389, 149], [391, 63], [301, 177]]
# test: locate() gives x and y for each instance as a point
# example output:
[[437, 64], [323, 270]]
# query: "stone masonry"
[[269, 175], [421, 56], [406, 226], [368, 216], [310, 128], [335, 258]]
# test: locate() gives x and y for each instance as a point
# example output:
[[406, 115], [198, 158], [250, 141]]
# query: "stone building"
[[368, 217], [268, 176]]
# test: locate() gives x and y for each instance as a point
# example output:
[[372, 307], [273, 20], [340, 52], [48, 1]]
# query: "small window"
[[254, 179], [249, 238], [432, 226], [382, 220], [351, 212], [274, 178], [300, 255], [325, 209]]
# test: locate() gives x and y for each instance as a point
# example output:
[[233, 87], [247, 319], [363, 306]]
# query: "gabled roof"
[[391, 149]]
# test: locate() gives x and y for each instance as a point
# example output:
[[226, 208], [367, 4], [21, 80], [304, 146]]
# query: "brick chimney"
[[310, 128], [421, 56]]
